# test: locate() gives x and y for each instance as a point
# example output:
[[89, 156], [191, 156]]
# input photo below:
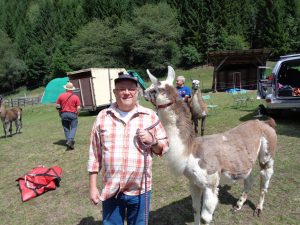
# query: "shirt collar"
[[138, 109]]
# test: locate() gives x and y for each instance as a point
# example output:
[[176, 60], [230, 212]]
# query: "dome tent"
[[53, 89]]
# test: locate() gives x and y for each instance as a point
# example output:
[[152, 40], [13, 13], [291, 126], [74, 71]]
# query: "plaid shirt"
[[115, 149]]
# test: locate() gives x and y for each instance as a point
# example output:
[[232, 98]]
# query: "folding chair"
[[240, 98], [212, 107]]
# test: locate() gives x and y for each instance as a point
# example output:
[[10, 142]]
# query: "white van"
[[280, 88]]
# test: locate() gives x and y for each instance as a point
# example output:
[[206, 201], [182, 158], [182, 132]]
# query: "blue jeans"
[[69, 122], [114, 209]]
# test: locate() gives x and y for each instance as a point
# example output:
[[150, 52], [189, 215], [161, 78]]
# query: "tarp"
[[53, 89], [140, 80]]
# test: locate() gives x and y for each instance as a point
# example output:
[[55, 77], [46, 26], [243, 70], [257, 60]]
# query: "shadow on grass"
[[226, 198], [61, 142], [177, 213], [89, 221], [9, 136], [181, 212]]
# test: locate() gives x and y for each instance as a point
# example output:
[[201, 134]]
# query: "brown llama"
[[198, 107], [204, 160], [8, 116]]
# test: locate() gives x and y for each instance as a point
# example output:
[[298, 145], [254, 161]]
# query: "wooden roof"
[[250, 56]]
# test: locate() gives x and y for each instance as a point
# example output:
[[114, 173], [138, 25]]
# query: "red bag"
[[38, 181]]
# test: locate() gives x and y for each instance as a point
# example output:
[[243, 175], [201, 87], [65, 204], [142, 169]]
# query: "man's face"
[[126, 95], [179, 82]]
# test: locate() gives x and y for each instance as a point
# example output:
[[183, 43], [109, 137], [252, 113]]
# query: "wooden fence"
[[23, 101]]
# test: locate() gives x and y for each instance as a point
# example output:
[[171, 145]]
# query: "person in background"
[[120, 136], [68, 105], [183, 91]]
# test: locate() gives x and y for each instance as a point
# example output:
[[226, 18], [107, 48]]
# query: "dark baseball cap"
[[125, 76]]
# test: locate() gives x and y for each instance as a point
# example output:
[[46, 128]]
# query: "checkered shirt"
[[115, 150]]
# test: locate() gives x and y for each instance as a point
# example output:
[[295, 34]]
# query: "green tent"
[[53, 89]]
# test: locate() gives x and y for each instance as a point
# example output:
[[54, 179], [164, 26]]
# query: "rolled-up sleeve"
[[95, 154]]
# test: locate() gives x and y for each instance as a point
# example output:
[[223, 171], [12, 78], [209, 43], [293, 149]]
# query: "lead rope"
[[146, 148], [146, 188]]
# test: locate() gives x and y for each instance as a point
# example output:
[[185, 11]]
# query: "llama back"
[[271, 122]]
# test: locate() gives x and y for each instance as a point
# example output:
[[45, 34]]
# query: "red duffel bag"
[[38, 181]]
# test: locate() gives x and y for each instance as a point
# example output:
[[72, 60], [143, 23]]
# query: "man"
[[68, 105], [120, 136], [183, 91]]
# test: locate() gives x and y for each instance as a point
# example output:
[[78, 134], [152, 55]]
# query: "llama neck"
[[177, 123], [196, 91]]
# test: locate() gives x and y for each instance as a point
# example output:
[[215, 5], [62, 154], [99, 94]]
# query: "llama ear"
[[152, 78], [171, 75]]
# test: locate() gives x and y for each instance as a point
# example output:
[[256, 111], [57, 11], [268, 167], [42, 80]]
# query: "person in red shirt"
[[123, 140], [68, 105]]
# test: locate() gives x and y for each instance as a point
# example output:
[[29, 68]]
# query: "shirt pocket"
[[107, 139]]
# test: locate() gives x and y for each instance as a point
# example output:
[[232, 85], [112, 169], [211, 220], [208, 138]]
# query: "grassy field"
[[41, 143]]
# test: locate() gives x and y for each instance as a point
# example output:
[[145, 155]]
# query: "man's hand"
[[94, 196], [94, 192], [145, 136]]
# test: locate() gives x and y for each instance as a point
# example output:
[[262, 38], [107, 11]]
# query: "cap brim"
[[69, 89]]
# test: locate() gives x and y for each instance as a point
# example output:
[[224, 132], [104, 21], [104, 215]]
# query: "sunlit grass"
[[39, 143]]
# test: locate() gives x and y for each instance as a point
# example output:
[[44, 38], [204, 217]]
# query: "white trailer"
[[94, 86]]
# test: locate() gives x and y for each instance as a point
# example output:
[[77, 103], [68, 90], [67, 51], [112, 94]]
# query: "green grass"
[[40, 144]]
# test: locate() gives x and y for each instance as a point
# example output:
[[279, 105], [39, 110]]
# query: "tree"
[[95, 46], [271, 28], [37, 61], [235, 42], [11, 67], [157, 32], [103, 9], [59, 59], [190, 56], [148, 41]]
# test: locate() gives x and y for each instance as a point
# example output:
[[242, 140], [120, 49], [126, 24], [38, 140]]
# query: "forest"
[[43, 39]]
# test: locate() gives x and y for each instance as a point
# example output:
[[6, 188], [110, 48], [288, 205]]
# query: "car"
[[281, 87]]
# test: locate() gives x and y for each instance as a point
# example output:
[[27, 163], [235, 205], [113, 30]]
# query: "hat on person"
[[69, 86], [125, 76]]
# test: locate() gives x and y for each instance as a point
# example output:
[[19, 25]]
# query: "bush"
[[190, 56]]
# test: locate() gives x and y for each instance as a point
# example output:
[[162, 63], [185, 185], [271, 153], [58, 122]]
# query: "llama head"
[[195, 84], [161, 92]]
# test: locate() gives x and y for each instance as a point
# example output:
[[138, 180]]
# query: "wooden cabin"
[[237, 69]]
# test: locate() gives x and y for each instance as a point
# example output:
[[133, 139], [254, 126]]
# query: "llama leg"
[[19, 121], [195, 121], [210, 201], [203, 121], [243, 198], [17, 124], [20, 124], [5, 129], [196, 194], [10, 128], [265, 177]]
